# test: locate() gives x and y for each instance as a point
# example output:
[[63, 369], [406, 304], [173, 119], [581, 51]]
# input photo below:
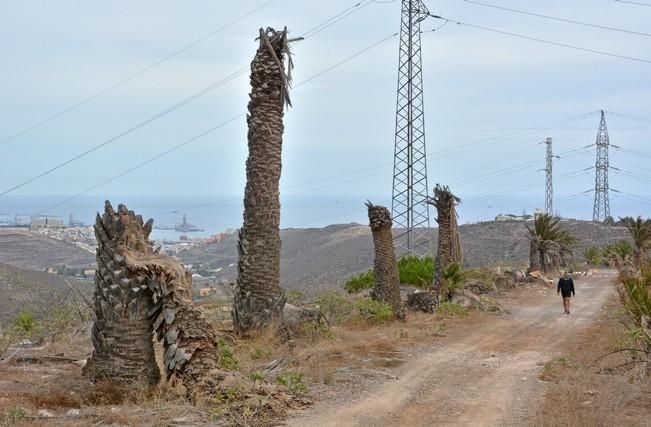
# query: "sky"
[[484, 91]]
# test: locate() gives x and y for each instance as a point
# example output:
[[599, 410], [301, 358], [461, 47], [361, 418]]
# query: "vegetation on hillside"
[[412, 270]]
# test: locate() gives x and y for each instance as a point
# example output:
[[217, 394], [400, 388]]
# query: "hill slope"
[[316, 259]]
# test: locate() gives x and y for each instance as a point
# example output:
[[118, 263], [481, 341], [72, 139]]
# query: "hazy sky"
[[478, 85]]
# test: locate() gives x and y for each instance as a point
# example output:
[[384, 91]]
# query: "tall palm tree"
[[449, 242], [550, 245], [387, 280], [640, 231], [259, 300], [139, 292]]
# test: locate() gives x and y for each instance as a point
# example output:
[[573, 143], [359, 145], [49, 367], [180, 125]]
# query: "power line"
[[128, 131], [634, 2], [136, 74], [566, 45], [336, 18], [173, 108], [185, 142], [628, 116], [519, 133], [555, 18]]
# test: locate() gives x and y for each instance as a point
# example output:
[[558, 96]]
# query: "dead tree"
[[122, 332], [138, 292], [387, 279], [258, 298], [449, 241]]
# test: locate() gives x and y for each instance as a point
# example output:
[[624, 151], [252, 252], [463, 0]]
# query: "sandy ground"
[[486, 375]]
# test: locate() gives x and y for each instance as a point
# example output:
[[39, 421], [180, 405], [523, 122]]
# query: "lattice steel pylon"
[[549, 185], [601, 210], [409, 209]]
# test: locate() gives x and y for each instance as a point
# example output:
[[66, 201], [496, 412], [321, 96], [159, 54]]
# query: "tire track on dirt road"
[[484, 376]]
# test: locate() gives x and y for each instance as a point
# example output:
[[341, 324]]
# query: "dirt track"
[[485, 376]]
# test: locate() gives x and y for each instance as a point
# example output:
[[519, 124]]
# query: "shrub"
[[416, 271], [592, 255], [226, 357], [360, 282], [26, 322], [295, 297], [336, 308], [14, 415], [452, 309], [315, 330], [293, 380], [374, 311]]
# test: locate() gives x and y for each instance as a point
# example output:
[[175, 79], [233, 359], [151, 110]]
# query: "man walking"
[[566, 289]]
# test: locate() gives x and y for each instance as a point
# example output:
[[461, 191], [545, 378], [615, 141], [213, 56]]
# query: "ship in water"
[[186, 227]]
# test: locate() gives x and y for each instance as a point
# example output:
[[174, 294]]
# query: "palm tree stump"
[[449, 242], [387, 279], [122, 333], [139, 292], [258, 298]]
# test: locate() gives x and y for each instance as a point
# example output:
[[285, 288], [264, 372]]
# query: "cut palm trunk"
[[139, 292], [122, 333], [449, 242], [387, 279], [258, 298]]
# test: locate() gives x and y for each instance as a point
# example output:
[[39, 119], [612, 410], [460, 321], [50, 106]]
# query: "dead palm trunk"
[[387, 280], [139, 292], [122, 332], [259, 299], [449, 241]]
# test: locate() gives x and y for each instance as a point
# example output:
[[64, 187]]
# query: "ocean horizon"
[[217, 213]]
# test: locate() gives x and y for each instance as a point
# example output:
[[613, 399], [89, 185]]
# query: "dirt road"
[[484, 376]]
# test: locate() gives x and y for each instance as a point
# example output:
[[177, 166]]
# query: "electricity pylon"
[[409, 209], [601, 210]]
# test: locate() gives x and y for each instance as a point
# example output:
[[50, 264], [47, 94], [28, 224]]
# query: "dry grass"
[[582, 393]]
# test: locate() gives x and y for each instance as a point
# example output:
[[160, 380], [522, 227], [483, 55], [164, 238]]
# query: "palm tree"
[[449, 243], [138, 292], [550, 245], [259, 300], [640, 231], [387, 280]]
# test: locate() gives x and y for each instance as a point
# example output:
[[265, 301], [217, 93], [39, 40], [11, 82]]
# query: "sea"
[[218, 213]]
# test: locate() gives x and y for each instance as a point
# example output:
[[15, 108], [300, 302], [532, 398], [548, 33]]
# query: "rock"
[[73, 412], [505, 282], [425, 301], [480, 287], [44, 413]]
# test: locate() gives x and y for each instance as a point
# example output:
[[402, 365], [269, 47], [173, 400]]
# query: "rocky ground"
[[477, 369]]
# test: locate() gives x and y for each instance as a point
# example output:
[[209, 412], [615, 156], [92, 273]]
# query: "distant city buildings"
[[46, 222]]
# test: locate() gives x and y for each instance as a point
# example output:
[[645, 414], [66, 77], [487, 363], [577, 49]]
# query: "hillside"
[[35, 291], [32, 251], [322, 258]]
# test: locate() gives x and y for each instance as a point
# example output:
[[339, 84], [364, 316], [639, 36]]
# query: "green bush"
[[226, 356], [26, 322], [335, 307], [360, 282], [293, 380], [374, 311], [452, 309], [14, 415], [416, 271], [592, 255]]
